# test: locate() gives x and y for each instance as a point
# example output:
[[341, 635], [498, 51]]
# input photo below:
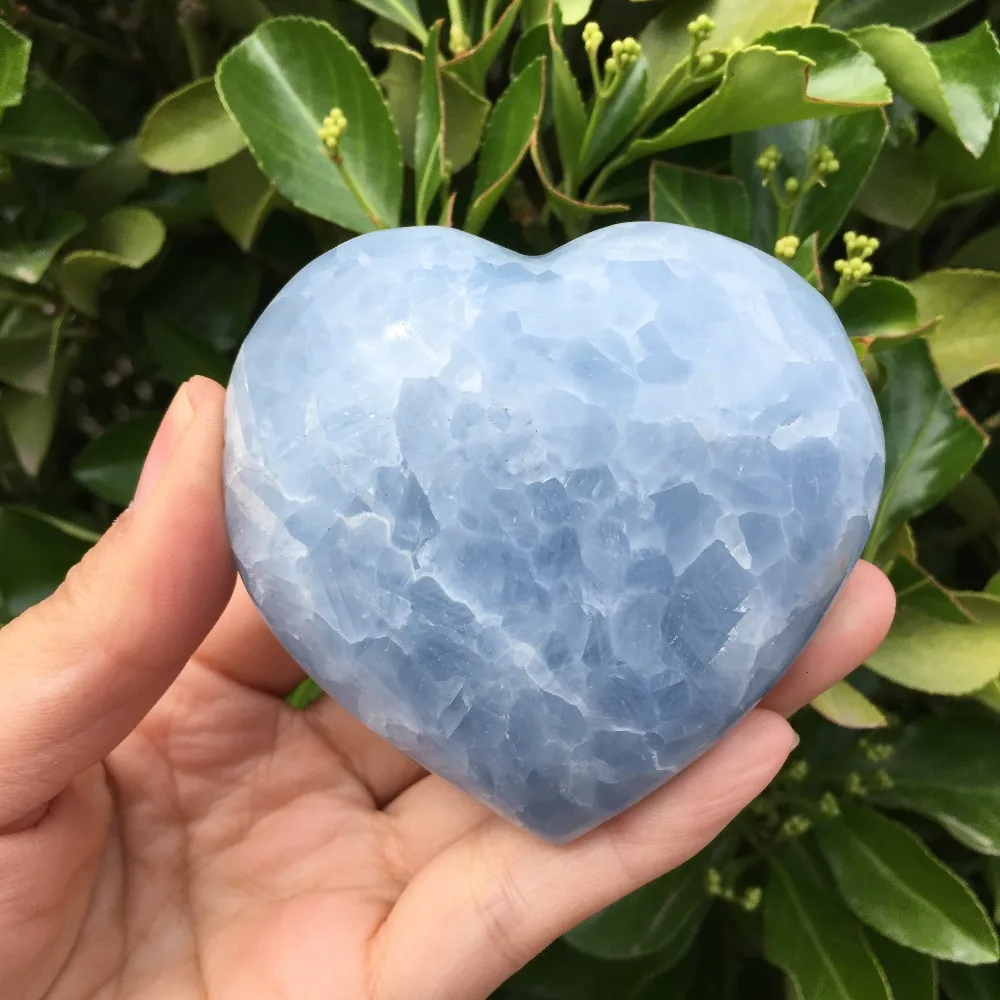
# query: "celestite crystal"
[[549, 525]]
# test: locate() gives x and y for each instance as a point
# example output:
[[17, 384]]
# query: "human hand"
[[171, 830]]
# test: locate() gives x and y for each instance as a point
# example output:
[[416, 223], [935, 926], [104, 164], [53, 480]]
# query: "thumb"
[[82, 668]]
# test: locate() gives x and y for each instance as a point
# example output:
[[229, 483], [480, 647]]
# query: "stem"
[[457, 16], [338, 160], [489, 10], [843, 289], [69, 35], [600, 101], [605, 175], [595, 73], [189, 21], [26, 299]]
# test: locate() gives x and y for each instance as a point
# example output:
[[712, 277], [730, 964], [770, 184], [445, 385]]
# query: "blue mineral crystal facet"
[[549, 525]]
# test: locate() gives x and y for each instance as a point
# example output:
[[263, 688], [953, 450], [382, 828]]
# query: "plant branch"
[[69, 35], [345, 174]]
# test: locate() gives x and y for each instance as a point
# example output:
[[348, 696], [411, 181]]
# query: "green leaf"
[[574, 11], [189, 130], [50, 127], [405, 13], [307, 693], [28, 262], [208, 290], [947, 768], [926, 653], [112, 182], [30, 419], [982, 251], [931, 442], [814, 939], [883, 309], [856, 139], [992, 868], [662, 918], [471, 66], [465, 111], [429, 145], [571, 211], [109, 466], [14, 52], [806, 72], [917, 589], [893, 883], [666, 43], [279, 84], [913, 14], [568, 111], [696, 198], [616, 121], [181, 356], [241, 197], [956, 82], [966, 340], [38, 551], [961, 982], [28, 343], [531, 45], [846, 706], [960, 176], [900, 189], [911, 975], [124, 238], [509, 132], [990, 695]]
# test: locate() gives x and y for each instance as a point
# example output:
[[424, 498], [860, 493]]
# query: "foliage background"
[[162, 175]]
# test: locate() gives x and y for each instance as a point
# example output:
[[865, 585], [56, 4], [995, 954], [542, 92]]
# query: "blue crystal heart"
[[549, 525]]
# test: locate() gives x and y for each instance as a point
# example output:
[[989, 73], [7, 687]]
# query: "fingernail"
[[174, 422], [795, 742]]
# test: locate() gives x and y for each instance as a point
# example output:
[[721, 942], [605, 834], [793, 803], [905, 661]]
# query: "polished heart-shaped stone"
[[550, 524]]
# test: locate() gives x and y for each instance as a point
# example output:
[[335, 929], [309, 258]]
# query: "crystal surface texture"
[[550, 524]]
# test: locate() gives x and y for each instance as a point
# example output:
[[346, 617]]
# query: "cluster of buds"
[[882, 780], [877, 753], [769, 161], [699, 29], [458, 40], [786, 248], [625, 52], [749, 899], [333, 127], [853, 785], [795, 826], [855, 267], [825, 162], [593, 37], [829, 806]]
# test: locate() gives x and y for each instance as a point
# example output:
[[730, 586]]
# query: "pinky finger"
[[503, 894]]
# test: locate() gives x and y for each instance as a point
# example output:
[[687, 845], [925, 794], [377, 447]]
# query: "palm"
[[227, 846], [247, 859]]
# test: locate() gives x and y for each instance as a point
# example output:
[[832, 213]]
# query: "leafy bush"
[[166, 166]]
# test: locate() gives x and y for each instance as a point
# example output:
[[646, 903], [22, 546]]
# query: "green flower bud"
[[786, 248], [701, 27], [458, 40], [751, 898], [829, 806], [593, 37], [792, 185]]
